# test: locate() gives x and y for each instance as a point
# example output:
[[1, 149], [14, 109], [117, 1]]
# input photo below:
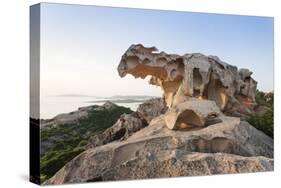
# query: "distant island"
[[136, 97], [141, 98], [118, 101], [73, 95]]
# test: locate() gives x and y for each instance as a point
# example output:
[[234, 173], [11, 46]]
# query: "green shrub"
[[82, 143], [50, 166], [43, 178], [265, 99], [263, 122]]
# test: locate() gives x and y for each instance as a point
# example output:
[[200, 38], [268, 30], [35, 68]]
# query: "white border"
[[14, 76]]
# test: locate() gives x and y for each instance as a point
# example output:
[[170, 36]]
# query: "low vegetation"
[[69, 140], [264, 121]]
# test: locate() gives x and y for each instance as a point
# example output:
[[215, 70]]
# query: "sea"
[[51, 106]]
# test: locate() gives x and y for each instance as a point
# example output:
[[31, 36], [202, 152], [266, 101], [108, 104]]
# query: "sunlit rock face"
[[183, 77]]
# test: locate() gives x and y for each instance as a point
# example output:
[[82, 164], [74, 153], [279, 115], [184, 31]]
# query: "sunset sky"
[[81, 46]]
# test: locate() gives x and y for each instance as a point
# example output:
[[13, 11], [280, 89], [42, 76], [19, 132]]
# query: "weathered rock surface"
[[191, 75], [156, 151], [175, 163], [152, 108], [194, 112], [122, 129], [128, 124]]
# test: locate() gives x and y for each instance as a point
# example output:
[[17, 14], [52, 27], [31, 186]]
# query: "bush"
[[263, 122], [43, 178], [264, 99], [51, 165], [82, 143]]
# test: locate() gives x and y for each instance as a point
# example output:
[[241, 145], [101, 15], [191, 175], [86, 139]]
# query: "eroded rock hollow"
[[197, 89]]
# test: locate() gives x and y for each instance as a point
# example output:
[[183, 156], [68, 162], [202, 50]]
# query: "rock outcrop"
[[230, 146], [192, 75], [152, 108], [128, 124]]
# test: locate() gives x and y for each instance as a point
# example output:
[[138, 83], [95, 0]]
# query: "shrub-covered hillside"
[[68, 140]]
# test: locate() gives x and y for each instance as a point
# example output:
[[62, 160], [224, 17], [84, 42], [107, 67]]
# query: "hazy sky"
[[81, 46]]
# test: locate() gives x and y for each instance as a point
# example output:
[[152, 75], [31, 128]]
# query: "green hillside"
[[67, 141]]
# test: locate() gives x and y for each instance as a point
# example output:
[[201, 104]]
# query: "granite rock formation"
[[231, 146], [182, 78], [152, 108], [187, 132]]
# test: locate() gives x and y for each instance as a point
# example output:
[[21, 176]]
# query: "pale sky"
[[81, 46]]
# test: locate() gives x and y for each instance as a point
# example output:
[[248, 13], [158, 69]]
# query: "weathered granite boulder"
[[122, 129], [155, 151], [152, 108], [194, 112], [191, 75], [127, 124]]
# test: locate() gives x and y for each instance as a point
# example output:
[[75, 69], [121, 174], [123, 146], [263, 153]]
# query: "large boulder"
[[155, 151], [191, 75], [152, 108], [194, 112]]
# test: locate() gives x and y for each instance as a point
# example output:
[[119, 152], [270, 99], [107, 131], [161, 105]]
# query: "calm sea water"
[[52, 106]]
